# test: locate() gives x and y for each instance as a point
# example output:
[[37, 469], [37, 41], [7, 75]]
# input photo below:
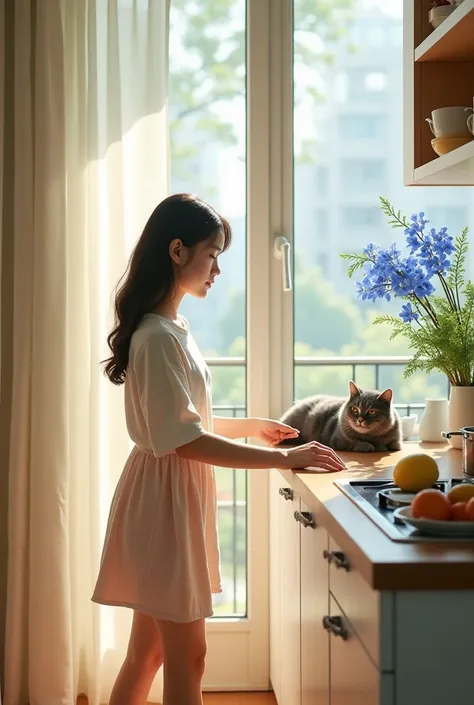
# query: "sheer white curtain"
[[90, 163]]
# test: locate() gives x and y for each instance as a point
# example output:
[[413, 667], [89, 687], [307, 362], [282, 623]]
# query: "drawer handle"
[[286, 492], [335, 625], [305, 518], [338, 558]]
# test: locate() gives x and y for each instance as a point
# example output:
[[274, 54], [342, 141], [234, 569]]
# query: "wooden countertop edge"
[[383, 563]]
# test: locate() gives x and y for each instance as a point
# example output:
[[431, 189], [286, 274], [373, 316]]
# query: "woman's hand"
[[272, 432], [314, 456]]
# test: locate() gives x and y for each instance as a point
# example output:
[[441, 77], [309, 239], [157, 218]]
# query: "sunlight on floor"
[[265, 698], [260, 698]]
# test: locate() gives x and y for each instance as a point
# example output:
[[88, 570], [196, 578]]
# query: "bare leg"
[[144, 658], [184, 649]]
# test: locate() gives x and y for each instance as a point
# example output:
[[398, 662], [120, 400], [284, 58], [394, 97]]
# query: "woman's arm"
[[233, 428], [268, 430], [215, 450]]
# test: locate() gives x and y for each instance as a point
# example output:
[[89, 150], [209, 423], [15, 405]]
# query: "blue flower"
[[387, 273], [407, 314], [413, 239], [434, 249], [370, 249]]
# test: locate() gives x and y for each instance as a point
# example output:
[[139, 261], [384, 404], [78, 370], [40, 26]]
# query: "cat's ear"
[[354, 389], [386, 395]]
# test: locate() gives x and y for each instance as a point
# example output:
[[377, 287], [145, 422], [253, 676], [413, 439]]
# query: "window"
[[340, 87], [321, 179], [360, 217], [364, 84], [376, 35], [368, 33], [396, 34], [362, 126], [363, 174], [375, 81], [322, 222], [455, 218], [323, 260]]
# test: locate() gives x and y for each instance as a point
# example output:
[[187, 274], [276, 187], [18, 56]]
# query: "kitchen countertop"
[[386, 564]]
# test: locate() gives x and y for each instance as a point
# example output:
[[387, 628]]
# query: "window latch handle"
[[282, 251]]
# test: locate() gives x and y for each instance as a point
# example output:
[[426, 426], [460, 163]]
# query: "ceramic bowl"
[[437, 15], [408, 426], [443, 145]]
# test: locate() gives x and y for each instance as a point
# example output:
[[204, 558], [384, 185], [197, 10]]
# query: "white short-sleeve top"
[[168, 391]]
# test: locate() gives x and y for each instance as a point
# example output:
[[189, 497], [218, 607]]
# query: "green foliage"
[[397, 220], [456, 275], [323, 317], [232, 323], [357, 262]]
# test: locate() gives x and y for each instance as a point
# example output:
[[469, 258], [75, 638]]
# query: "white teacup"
[[450, 122], [408, 426], [470, 123]]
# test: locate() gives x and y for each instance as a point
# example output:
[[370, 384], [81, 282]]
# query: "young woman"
[[160, 555]]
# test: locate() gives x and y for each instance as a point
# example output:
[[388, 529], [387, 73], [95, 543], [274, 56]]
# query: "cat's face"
[[368, 412]]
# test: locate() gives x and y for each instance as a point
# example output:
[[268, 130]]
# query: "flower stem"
[[449, 294], [429, 309]]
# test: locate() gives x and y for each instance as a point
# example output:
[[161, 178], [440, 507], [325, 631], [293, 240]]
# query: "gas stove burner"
[[394, 497]]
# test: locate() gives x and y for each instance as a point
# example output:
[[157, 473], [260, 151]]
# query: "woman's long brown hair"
[[149, 278]]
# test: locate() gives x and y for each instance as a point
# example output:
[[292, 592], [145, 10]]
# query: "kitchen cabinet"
[[369, 611], [354, 678], [299, 599], [438, 72], [338, 640], [286, 660], [314, 601], [317, 656], [275, 482]]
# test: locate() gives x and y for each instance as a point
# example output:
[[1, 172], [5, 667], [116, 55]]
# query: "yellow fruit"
[[461, 493], [415, 472]]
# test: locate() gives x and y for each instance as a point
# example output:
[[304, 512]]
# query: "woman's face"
[[197, 268]]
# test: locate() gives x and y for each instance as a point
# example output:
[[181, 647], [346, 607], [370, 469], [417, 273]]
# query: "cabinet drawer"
[[354, 678], [314, 607], [370, 612], [289, 610]]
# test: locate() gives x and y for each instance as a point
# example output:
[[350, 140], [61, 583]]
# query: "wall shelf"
[[453, 169], [453, 40], [438, 72]]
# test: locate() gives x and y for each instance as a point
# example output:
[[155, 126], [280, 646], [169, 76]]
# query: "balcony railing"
[[352, 362]]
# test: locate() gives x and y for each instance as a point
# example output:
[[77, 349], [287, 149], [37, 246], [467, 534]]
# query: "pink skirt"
[[161, 551]]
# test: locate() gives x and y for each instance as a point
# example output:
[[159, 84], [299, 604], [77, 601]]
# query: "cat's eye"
[[372, 412], [354, 410]]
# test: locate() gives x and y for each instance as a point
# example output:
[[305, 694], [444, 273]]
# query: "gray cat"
[[364, 423]]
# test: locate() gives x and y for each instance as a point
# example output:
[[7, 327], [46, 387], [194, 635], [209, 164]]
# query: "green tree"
[[231, 324], [323, 318], [207, 65]]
